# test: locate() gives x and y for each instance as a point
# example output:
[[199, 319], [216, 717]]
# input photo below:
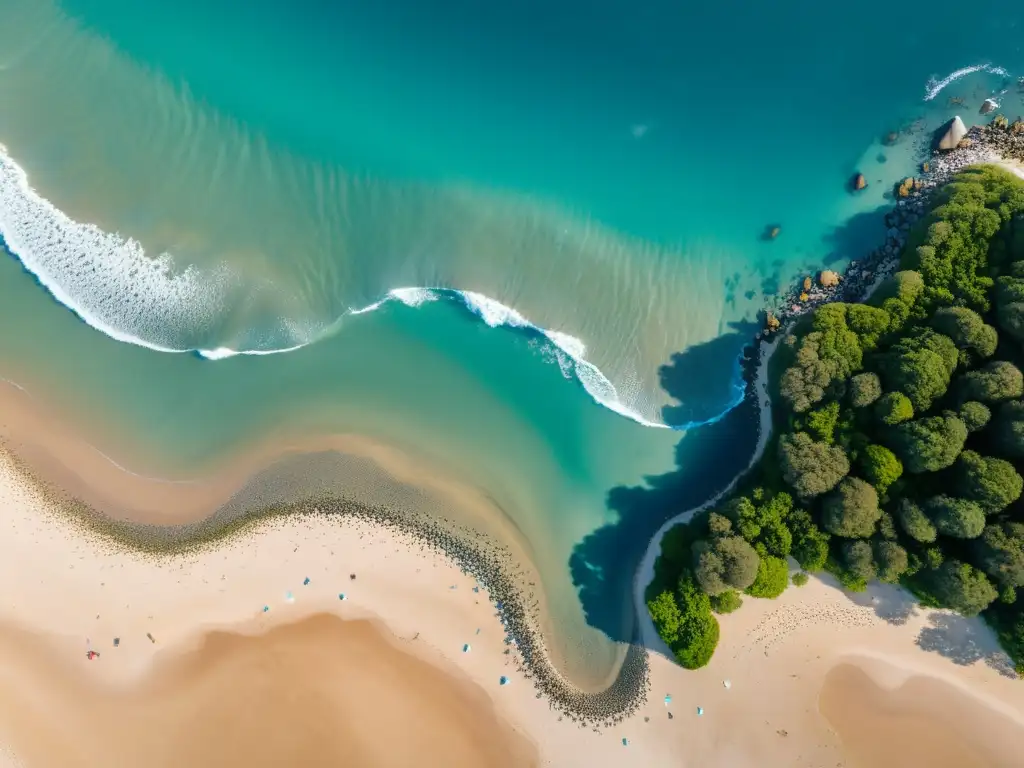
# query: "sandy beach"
[[70, 592]]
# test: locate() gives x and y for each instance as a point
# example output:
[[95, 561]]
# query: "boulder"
[[988, 105], [859, 182], [828, 278], [772, 322], [807, 283], [953, 132]]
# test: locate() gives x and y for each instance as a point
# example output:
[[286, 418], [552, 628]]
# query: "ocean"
[[515, 242]]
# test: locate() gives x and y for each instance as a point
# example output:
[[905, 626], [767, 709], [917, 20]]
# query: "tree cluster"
[[898, 436]]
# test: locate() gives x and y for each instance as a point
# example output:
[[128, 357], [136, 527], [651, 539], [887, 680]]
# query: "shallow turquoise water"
[[604, 169]]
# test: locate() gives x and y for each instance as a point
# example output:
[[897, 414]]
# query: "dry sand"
[[66, 592]]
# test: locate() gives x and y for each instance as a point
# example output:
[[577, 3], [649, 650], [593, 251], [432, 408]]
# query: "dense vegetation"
[[898, 443]]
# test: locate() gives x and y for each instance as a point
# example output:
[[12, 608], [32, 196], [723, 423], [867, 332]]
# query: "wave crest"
[[110, 283], [935, 86]]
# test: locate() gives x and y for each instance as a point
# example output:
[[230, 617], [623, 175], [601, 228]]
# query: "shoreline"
[[869, 275], [505, 574], [430, 609]]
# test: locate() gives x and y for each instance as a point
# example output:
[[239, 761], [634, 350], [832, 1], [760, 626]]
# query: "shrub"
[[726, 602], [772, 578], [799, 579], [698, 630]]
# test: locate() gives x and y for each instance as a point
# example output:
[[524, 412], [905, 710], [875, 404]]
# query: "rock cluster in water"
[[999, 140]]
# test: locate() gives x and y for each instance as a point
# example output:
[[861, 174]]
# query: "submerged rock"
[[954, 132], [988, 105]]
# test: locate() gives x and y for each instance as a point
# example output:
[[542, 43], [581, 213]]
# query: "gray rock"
[[988, 105], [955, 130]]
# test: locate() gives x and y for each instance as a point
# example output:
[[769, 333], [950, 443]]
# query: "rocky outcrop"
[[858, 182], [828, 278], [988, 106], [954, 132]]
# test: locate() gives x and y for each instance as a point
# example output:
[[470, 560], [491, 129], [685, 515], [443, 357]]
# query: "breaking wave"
[[935, 86], [111, 284]]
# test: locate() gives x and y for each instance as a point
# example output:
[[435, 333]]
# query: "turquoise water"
[[256, 177]]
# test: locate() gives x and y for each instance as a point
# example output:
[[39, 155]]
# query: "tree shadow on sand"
[[707, 459], [890, 603], [964, 641]]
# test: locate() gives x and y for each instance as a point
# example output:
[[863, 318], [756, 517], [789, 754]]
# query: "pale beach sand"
[[67, 592]]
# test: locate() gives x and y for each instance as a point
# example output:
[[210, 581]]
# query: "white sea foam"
[[105, 279], [111, 284], [935, 86]]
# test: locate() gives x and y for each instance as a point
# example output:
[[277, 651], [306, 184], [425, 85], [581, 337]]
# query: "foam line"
[[934, 86], [114, 287]]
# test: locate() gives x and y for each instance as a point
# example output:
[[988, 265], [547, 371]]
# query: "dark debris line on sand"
[[490, 564]]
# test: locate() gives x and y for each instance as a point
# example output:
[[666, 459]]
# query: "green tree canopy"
[[993, 483], [998, 380], [905, 287], [1009, 429], [724, 562], [974, 415], [867, 322], [698, 630], [962, 587], [811, 468], [916, 523], [810, 543], [666, 616], [967, 330], [919, 373], [851, 510], [1000, 552], [865, 388], [824, 357], [959, 518], [1010, 304], [929, 444], [892, 560], [894, 408], [858, 559], [821, 422], [953, 260], [880, 466]]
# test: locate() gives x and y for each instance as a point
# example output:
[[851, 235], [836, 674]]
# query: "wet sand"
[[72, 590], [918, 722], [317, 692]]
